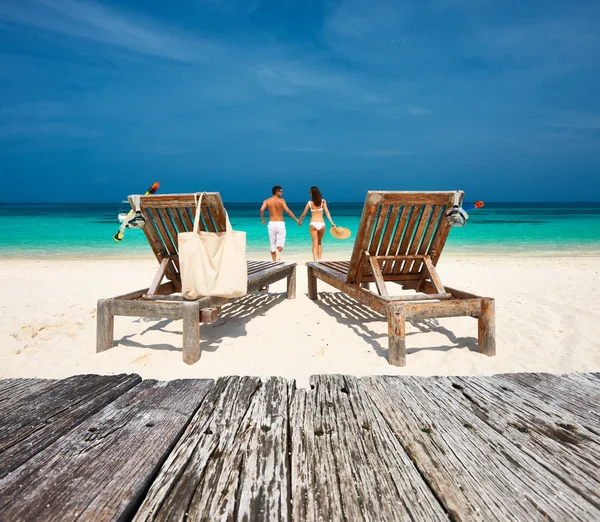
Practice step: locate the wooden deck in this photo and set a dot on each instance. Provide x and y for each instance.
(510, 447)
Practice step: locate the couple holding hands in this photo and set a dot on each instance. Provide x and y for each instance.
(318, 208)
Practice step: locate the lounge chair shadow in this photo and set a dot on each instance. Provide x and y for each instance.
(353, 314)
(432, 325)
(231, 323)
(234, 317)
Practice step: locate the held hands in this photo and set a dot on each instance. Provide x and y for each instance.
(299, 221)
(263, 222)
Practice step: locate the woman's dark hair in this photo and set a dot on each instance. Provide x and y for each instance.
(315, 195)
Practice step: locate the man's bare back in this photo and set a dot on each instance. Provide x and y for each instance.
(275, 205)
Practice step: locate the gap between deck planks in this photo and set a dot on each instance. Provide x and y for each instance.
(372, 448)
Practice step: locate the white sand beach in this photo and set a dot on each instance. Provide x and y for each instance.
(547, 320)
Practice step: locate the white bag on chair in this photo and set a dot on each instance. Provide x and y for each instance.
(212, 263)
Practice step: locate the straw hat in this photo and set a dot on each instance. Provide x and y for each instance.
(340, 232)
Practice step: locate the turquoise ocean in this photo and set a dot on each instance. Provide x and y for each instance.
(86, 230)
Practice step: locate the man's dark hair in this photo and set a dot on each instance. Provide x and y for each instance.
(275, 189)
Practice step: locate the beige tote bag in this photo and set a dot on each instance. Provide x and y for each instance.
(212, 263)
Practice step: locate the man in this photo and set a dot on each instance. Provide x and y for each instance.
(276, 205)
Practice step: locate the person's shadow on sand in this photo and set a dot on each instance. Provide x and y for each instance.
(230, 324)
(356, 316)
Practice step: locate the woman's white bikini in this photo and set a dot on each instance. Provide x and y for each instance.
(317, 224)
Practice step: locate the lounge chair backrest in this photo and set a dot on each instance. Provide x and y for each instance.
(401, 224)
(168, 214)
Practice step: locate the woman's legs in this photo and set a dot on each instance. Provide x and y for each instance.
(320, 234)
(314, 235)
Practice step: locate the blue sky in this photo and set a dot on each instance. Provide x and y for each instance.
(498, 98)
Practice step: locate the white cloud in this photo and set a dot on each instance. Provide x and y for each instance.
(383, 153)
(91, 21)
(418, 111)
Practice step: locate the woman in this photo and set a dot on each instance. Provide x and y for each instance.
(317, 205)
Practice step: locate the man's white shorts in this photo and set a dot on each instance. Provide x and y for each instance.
(276, 234)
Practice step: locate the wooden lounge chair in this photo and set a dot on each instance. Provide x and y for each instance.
(166, 215)
(400, 238)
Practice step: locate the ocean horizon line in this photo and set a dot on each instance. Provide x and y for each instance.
(258, 201)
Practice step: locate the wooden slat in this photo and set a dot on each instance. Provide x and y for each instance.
(552, 437)
(385, 241)
(363, 236)
(392, 197)
(379, 282)
(406, 240)
(38, 419)
(338, 280)
(217, 211)
(153, 236)
(398, 235)
(14, 390)
(100, 469)
(418, 237)
(380, 223)
(158, 277)
(475, 472)
(208, 224)
(176, 218)
(431, 228)
(266, 277)
(433, 275)
(560, 392)
(178, 200)
(164, 217)
(441, 234)
(187, 216)
(347, 463)
(232, 459)
(170, 244)
(457, 308)
(340, 266)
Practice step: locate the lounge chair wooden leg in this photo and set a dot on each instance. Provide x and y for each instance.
(396, 335)
(291, 285)
(312, 284)
(191, 332)
(487, 327)
(105, 326)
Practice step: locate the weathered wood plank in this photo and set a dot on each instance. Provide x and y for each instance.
(13, 390)
(232, 460)
(549, 435)
(43, 416)
(559, 391)
(393, 197)
(474, 471)
(100, 469)
(379, 282)
(346, 462)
